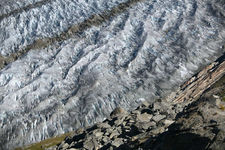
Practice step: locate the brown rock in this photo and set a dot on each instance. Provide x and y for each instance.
(118, 112)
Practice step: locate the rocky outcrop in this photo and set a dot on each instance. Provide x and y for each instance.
(163, 125)
(194, 87)
(200, 126)
(124, 130)
(154, 126)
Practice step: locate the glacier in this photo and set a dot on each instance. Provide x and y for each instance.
(86, 57)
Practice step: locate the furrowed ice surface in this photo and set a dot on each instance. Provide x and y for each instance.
(143, 52)
(45, 18)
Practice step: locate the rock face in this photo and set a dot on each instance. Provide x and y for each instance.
(159, 126)
(123, 130)
(194, 87)
(67, 64)
(199, 127)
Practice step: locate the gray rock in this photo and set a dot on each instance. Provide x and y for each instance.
(131, 121)
(106, 139)
(200, 126)
(108, 131)
(64, 146)
(114, 133)
(98, 134)
(156, 106)
(119, 120)
(168, 122)
(145, 104)
(117, 142)
(157, 130)
(135, 112)
(103, 125)
(147, 125)
(144, 117)
(91, 145)
(157, 118)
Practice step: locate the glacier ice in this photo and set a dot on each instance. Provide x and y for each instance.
(142, 52)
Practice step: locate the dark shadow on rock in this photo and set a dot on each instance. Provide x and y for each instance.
(171, 141)
(77, 138)
(110, 122)
(105, 147)
(148, 111)
(190, 108)
(92, 128)
(78, 145)
(180, 141)
(133, 131)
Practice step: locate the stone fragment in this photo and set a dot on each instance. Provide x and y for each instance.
(145, 104)
(119, 120)
(156, 106)
(144, 117)
(114, 133)
(131, 121)
(157, 130)
(79, 131)
(108, 131)
(119, 129)
(135, 112)
(168, 122)
(98, 134)
(117, 142)
(105, 139)
(128, 117)
(118, 112)
(91, 144)
(157, 118)
(124, 123)
(104, 125)
(147, 125)
(64, 146)
(140, 138)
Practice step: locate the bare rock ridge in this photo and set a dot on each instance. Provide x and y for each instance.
(123, 130)
(200, 126)
(195, 124)
(194, 87)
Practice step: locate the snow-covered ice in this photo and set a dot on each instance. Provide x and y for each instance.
(143, 52)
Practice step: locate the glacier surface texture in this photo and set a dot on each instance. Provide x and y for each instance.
(79, 59)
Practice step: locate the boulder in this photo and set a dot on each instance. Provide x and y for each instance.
(118, 112)
(157, 118)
